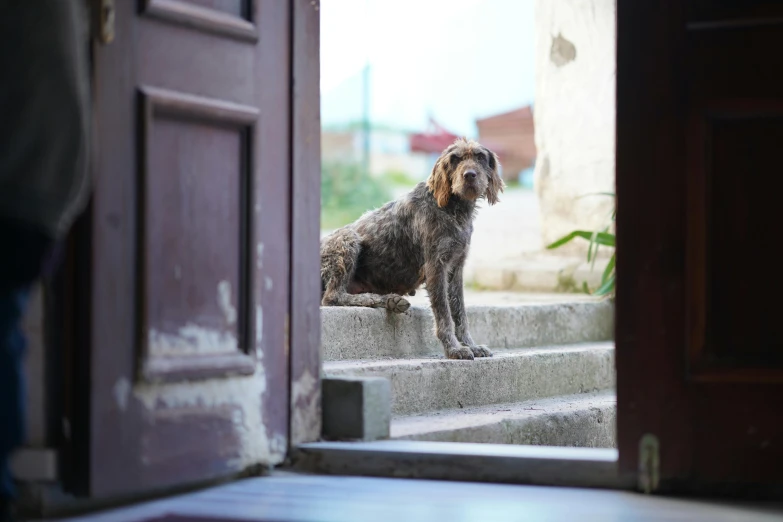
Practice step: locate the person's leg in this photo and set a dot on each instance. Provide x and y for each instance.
(44, 137)
(12, 386)
(22, 261)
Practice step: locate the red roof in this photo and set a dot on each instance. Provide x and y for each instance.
(517, 115)
(433, 141)
(510, 134)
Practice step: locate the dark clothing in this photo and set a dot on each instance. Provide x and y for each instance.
(44, 137)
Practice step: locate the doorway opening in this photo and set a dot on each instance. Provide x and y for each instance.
(536, 85)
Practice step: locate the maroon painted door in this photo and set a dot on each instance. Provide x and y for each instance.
(699, 182)
(189, 233)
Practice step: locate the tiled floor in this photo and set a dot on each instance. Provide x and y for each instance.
(307, 498)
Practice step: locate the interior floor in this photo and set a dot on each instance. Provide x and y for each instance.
(289, 497)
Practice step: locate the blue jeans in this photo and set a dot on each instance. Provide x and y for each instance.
(12, 384)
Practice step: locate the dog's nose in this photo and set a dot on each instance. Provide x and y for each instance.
(470, 175)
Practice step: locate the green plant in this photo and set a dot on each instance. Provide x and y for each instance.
(347, 192)
(398, 178)
(597, 239)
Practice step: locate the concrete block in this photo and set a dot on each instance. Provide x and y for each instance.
(357, 408)
(34, 464)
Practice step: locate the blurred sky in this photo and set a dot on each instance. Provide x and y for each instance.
(454, 59)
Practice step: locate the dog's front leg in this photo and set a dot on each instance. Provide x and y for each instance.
(437, 288)
(458, 313)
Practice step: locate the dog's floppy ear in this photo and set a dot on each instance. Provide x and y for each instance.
(496, 184)
(439, 181)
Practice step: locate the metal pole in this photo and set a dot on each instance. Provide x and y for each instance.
(366, 118)
(366, 96)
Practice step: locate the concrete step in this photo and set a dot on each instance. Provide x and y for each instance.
(363, 333)
(512, 375)
(583, 420)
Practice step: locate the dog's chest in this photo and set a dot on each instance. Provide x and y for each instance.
(459, 245)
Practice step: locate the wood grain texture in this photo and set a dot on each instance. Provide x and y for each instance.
(231, 18)
(651, 221)
(698, 351)
(195, 161)
(217, 112)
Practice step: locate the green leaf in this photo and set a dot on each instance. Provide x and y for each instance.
(607, 287)
(595, 253)
(585, 289)
(563, 240)
(605, 239)
(590, 248)
(609, 270)
(602, 238)
(610, 194)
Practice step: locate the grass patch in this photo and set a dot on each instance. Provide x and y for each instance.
(347, 192)
(398, 178)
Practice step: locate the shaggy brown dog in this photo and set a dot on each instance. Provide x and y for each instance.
(421, 237)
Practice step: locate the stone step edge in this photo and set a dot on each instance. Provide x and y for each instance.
(549, 421)
(417, 363)
(425, 385)
(356, 333)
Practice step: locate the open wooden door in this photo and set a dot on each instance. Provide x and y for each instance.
(188, 247)
(699, 182)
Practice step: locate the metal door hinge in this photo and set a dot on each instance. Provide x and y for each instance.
(649, 463)
(105, 22)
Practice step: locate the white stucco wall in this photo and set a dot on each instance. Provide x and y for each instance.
(574, 114)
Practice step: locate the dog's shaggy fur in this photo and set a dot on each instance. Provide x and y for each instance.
(422, 237)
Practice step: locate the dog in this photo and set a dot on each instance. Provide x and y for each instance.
(421, 238)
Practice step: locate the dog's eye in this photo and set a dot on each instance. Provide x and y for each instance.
(455, 159)
(481, 157)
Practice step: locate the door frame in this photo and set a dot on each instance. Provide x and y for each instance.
(650, 65)
(304, 322)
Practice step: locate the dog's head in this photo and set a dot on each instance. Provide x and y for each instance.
(468, 171)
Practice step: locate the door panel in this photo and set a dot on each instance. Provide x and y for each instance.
(195, 177)
(190, 244)
(232, 18)
(699, 350)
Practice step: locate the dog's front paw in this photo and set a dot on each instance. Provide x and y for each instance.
(481, 351)
(397, 304)
(460, 352)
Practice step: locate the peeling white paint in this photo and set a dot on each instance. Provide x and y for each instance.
(260, 255)
(259, 324)
(243, 393)
(278, 446)
(224, 300)
(122, 390)
(191, 339)
(306, 418)
(268, 283)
